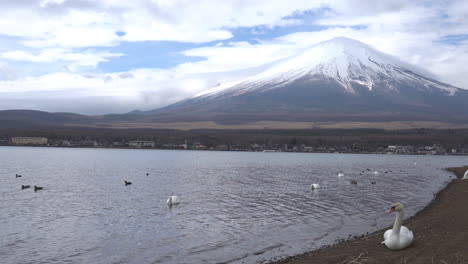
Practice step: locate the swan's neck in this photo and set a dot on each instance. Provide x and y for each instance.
(397, 224)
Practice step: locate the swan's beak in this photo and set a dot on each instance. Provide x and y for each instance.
(391, 210)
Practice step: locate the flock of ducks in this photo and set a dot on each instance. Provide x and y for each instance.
(36, 188)
(172, 200)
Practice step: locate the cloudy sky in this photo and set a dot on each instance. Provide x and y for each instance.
(113, 56)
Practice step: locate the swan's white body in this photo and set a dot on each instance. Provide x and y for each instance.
(314, 186)
(340, 174)
(173, 200)
(466, 175)
(399, 237)
(376, 172)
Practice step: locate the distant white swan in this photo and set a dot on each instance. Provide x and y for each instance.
(466, 175)
(340, 174)
(173, 200)
(314, 186)
(376, 172)
(399, 237)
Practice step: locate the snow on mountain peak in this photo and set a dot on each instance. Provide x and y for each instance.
(344, 60)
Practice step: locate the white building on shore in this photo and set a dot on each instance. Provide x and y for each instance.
(141, 144)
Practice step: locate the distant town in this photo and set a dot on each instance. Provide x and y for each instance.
(435, 149)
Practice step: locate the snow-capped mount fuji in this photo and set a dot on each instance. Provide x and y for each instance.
(345, 60)
(339, 79)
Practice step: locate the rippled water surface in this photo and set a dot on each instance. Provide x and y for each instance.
(236, 206)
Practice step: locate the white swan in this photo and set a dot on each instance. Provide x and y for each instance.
(466, 175)
(376, 172)
(314, 186)
(173, 200)
(399, 237)
(340, 174)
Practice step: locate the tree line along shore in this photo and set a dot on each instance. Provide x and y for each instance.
(409, 141)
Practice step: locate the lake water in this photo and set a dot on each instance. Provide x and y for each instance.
(237, 207)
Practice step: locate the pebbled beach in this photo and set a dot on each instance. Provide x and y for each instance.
(440, 232)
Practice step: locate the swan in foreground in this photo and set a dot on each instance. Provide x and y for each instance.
(466, 175)
(173, 200)
(399, 237)
(314, 186)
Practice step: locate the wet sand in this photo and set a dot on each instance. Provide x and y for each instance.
(440, 235)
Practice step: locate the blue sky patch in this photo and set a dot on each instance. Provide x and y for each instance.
(149, 54)
(454, 39)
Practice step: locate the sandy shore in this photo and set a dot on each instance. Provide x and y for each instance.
(440, 231)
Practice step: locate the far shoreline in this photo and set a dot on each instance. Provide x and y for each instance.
(440, 230)
(241, 150)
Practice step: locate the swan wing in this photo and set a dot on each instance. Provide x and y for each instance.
(386, 235)
(406, 237)
(405, 232)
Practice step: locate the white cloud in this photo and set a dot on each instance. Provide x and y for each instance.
(76, 60)
(66, 24)
(238, 56)
(139, 89)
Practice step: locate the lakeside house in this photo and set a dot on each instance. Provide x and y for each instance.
(119, 144)
(397, 149)
(29, 141)
(141, 144)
